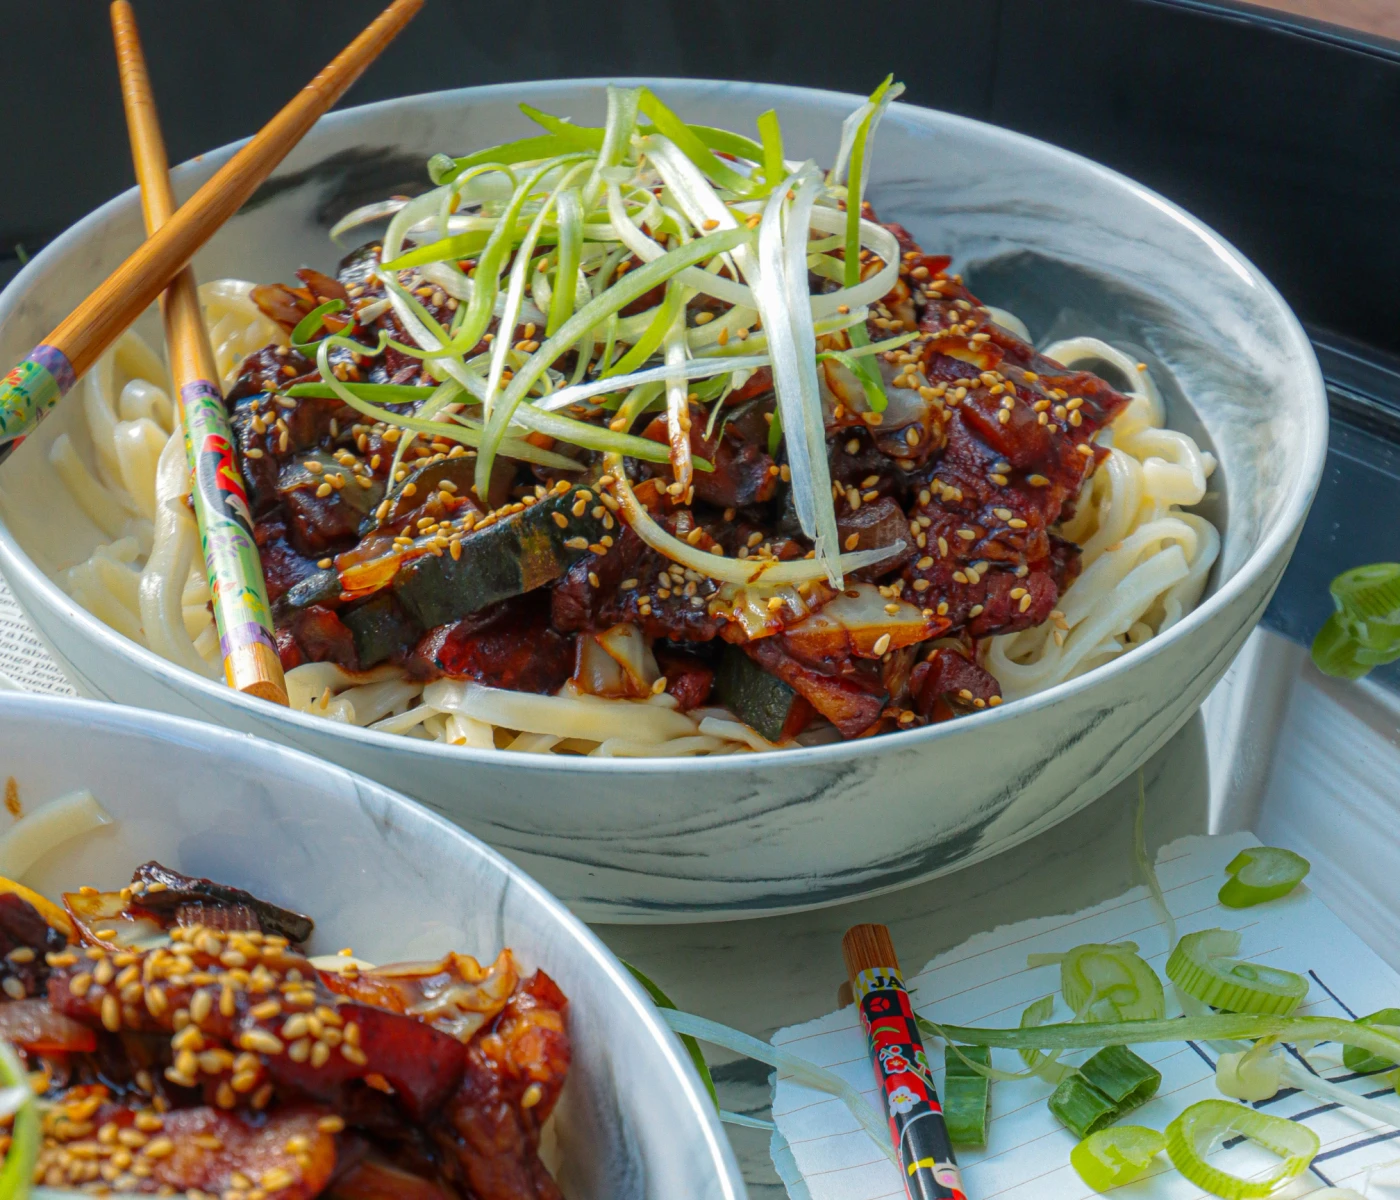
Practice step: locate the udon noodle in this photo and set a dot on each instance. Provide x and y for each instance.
(1145, 559)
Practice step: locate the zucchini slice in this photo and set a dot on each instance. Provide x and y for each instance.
(419, 486)
(509, 557)
(762, 701)
(381, 630)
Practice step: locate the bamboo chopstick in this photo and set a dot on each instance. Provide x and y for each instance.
(35, 385)
(902, 1072)
(241, 611)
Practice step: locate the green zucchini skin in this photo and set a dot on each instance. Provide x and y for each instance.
(321, 588)
(425, 480)
(381, 629)
(508, 558)
(760, 700)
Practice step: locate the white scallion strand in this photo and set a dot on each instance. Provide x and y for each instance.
(806, 1073)
(794, 373)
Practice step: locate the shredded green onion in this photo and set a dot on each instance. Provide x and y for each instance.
(310, 325)
(1090, 1035)
(1203, 966)
(1209, 1122)
(1262, 873)
(690, 144)
(1039, 1063)
(1363, 1061)
(692, 1047)
(774, 166)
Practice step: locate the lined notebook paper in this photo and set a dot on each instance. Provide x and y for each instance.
(821, 1154)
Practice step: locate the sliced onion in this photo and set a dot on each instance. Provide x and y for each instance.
(858, 622)
(596, 671)
(626, 646)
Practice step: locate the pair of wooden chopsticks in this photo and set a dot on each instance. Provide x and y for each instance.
(241, 610)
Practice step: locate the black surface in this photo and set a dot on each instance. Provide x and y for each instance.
(1279, 132)
(1356, 516)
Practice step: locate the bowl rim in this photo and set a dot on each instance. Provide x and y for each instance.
(1286, 520)
(217, 741)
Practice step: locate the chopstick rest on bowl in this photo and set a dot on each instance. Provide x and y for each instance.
(33, 387)
(241, 609)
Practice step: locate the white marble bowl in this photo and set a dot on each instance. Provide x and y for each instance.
(380, 874)
(1073, 247)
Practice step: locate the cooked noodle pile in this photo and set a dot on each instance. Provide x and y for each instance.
(1145, 561)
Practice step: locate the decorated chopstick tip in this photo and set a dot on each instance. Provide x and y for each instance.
(917, 1126)
(31, 388)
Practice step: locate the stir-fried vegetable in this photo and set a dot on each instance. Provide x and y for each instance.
(1262, 873)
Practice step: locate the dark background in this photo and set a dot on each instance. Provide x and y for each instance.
(1283, 134)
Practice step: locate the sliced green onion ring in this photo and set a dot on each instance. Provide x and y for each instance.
(1110, 983)
(1209, 1122)
(1254, 1074)
(1262, 873)
(1203, 965)
(1108, 1086)
(966, 1097)
(1115, 1156)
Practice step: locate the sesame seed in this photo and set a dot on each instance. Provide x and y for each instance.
(260, 1042)
(975, 611)
(882, 643)
(111, 1013)
(967, 535)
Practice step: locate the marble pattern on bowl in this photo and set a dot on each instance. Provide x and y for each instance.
(703, 839)
(380, 874)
